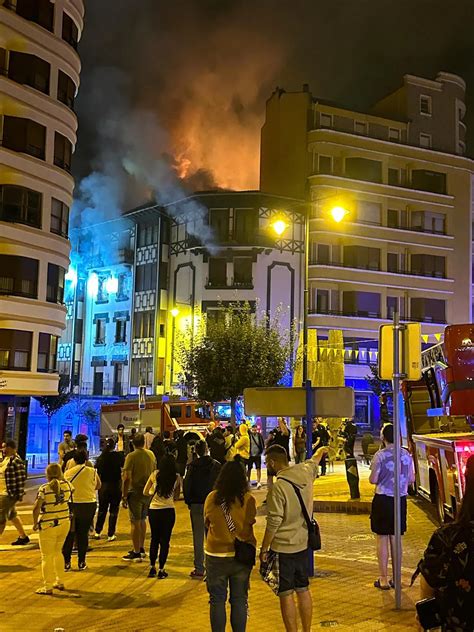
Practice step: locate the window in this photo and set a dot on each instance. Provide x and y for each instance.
(163, 276)
(55, 284)
(144, 324)
(147, 234)
(360, 127)
(364, 169)
(426, 221)
(425, 140)
(243, 272)
(392, 218)
(100, 324)
(3, 61)
(219, 222)
(366, 304)
(428, 265)
(428, 310)
(59, 218)
(122, 288)
(20, 205)
(362, 257)
(47, 353)
(325, 164)
(120, 330)
(142, 372)
(15, 349)
(392, 304)
(18, 276)
(325, 120)
(20, 134)
(369, 212)
(145, 277)
(322, 301)
(245, 225)
(394, 177)
(394, 134)
(425, 105)
(425, 180)
(29, 70)
(66, 89)
(217, 272)
(175, 412)
(392, 262)
(324, 254)
(62, 151)
(70, 32)
(215, 316)
(39, 11)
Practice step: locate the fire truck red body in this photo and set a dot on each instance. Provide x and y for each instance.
(440, 417)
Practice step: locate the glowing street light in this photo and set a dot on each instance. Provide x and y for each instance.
(279, 226)
(174, 312)
(338, 213)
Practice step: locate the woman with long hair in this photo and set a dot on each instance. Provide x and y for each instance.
(231, 495)
(51, 518)
(300, 444)
(161, 513)
(447, 567)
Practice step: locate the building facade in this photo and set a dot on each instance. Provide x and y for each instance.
(401, 172)
(38, 84)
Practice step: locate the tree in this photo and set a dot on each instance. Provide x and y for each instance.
(51, 404)
(376, 384)
(235, 352)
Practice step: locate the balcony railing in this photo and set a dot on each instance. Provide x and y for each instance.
(232, 285)
(353, 314)
(375, 268)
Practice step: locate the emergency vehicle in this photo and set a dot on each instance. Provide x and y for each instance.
(440, 418)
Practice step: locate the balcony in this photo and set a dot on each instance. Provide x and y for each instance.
(314, 311)
(107, 389)
(220, 284)
(375, 268)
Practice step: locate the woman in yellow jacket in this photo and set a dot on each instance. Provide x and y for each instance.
(242, 445)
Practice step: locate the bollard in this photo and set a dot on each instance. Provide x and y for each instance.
(352, 475)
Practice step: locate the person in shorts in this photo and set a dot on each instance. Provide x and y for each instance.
(257, 445)
(286, 534)
(382, 514)
(139, 465)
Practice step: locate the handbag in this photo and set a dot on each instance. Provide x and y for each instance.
(314, 533)
(270, 571)
(245, 552)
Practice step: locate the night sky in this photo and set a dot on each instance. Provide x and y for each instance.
(184, 83)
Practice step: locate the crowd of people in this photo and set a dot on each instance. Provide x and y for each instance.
(146, 474)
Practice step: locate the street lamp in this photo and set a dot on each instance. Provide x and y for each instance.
(338, 213)
(174, 312)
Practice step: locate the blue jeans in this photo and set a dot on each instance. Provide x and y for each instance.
(197, 524)
(220, 573)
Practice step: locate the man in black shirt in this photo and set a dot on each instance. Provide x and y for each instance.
(109, 467)
(321, 438)
(349, 433)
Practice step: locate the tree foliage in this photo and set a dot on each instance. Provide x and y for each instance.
(376, 384)
(237, 351)
(51, 404)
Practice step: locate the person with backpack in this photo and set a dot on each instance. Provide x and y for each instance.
(286, 534)
(198, 483)
(229, 513)
(447, 566)
(216, 443)
(257, 447)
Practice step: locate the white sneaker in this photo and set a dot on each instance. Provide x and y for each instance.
(259, 485)
(96, 536)
(111, 538)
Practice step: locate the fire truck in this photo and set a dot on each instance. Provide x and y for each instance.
(440, 419)
(160, 414)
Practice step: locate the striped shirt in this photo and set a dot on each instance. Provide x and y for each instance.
(53, 509)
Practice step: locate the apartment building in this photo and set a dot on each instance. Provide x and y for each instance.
(38, 82)
(401, 172)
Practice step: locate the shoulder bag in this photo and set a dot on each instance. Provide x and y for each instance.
(245, 552)
(314, 533)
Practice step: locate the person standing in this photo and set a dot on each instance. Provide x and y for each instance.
(242, 445)
(86, 482)
(137, 469)
(66, 445)
(349, 433)
(12, 490)
(149, 436)
(300, 445)
(256, 450)
(232, 496)
(121, 442)
(131, 445)
(69, 459)
(198, 483)
(158, 447)
(286, 534)
(322, 437)
(382, 519)
(109, 468)
(216, 443)
(161, 487)
(282, 436)
(51, 517)
(229, 437)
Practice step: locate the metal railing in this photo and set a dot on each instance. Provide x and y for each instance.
(373, 268)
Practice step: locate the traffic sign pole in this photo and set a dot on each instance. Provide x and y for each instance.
(397, 548)
(309, 447)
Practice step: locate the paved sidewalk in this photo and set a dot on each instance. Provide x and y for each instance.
(116, 596)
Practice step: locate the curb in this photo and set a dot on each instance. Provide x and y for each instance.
(342, 506)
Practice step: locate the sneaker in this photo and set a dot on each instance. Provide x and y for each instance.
(111, 538)
(96, 536)
(59, 586)
(82, 566)
(132, 557)
(259, 485)
(142, 554)
(44, 591)
(196, 574)
(21, 542)
(162, 574)
(152, 572)
(67, 567)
